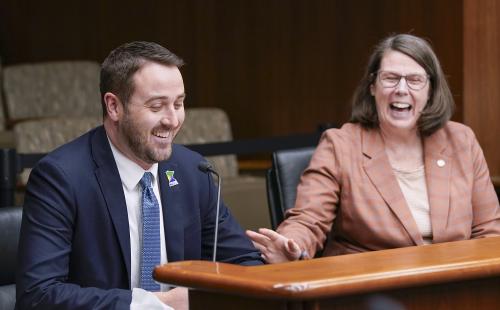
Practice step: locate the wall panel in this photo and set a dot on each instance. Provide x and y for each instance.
(482, 76)
(276, 66)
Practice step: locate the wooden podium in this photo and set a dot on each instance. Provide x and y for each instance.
(454, 275)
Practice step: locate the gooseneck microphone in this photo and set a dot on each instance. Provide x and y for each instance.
(206, 167)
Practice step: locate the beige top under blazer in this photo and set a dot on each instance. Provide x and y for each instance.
(349, 193)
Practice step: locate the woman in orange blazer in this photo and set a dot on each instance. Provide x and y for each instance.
(399, 174)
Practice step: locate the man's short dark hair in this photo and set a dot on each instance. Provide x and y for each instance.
(440, 105)
(119, 67)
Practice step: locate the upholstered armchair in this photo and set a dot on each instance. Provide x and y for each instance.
(208, 125)
(244, 194)
(282, 181)
(45, 135)
(52, 89)
(50, 103)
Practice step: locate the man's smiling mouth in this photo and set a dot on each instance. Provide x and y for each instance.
(162, 135)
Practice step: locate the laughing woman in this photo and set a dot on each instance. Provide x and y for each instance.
(399, 174)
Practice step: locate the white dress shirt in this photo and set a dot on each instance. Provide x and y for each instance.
(130, 175)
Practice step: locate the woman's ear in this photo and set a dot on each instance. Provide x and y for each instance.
(113, 105)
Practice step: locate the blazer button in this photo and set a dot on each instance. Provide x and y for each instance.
(441, 163)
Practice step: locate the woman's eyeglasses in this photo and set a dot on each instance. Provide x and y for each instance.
(391, 79)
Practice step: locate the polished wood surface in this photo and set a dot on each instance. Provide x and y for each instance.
(482, 76)
(462, 295)
(344, 275)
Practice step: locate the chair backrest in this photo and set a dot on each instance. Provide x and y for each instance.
(52, 89)
(10, 225)
(45, 135)
(282, 180)
(208, 125)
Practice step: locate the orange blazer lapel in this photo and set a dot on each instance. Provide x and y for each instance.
(377, 167)
(438, 166)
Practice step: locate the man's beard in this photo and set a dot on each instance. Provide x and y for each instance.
(137, 141)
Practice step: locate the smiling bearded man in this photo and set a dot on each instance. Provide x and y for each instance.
(102, 211)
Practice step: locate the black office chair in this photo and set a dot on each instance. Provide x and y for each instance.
(10, 225)
(282, 180)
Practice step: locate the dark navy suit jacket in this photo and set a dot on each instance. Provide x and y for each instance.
(74, 250)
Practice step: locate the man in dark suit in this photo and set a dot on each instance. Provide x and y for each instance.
(101, 211)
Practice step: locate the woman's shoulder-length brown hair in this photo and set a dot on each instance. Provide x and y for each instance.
(440, 105)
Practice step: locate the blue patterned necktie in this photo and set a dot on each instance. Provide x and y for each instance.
(150, 254)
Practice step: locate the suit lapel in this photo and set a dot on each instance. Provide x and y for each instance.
(172, 211)
(112, 190)
(438, 177)
(377, 167)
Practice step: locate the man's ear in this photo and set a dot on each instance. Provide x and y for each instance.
(114, 106)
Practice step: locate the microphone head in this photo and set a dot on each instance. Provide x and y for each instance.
(205, 166)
